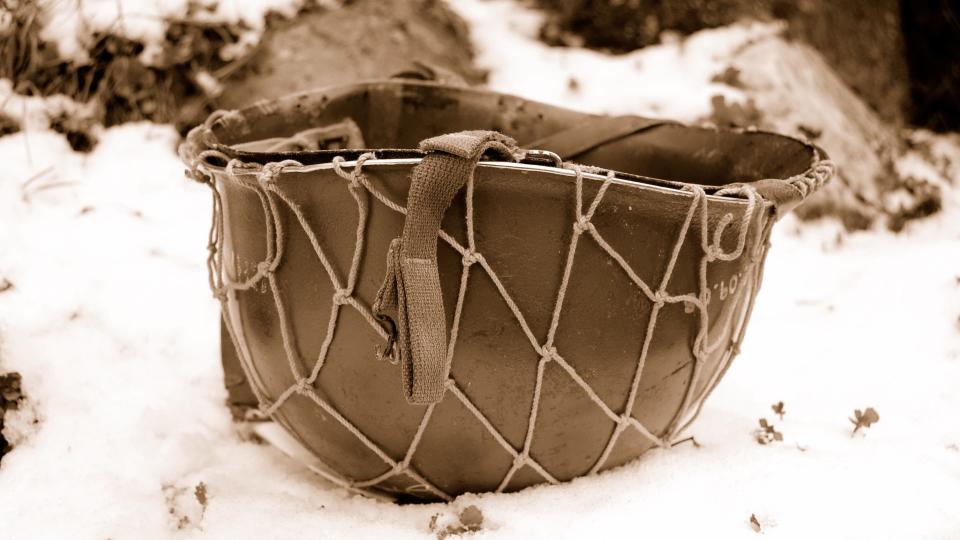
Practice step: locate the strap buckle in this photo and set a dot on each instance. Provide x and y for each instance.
(542, 157)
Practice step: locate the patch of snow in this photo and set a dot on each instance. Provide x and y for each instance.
(72, 24)
(36, 112)
(671, 80)
(934, 158)
(6, 19)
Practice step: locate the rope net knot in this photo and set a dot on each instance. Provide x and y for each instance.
(660, 298)
(341, 297)
(581, 225)
(548, 353)
(470, 258)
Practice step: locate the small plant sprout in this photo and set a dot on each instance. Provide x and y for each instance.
(778, 409)
(864, 419)
(767, 433)
(200, 492)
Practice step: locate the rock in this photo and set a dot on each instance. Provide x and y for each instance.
(862, 41)
(362, 40)
(798, 93)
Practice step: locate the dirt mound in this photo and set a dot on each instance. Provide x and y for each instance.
(365, 39)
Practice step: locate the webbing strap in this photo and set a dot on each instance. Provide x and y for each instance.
(411, 298)
(595, 132)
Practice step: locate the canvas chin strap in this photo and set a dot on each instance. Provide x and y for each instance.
(410, 299)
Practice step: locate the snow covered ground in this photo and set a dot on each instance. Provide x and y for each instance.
(124, 433)
(72, 24)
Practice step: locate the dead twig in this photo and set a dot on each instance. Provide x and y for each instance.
(689, 439)
(863, 419)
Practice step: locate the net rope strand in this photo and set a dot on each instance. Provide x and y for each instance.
(264, 181)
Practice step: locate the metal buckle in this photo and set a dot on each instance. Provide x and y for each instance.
(542, 157)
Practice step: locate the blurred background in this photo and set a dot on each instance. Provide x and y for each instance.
(176, 61)
(901, 57)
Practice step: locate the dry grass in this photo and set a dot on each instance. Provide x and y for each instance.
(171, 90)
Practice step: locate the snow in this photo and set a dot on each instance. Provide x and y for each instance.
(72, 24)
(671, 80)
(35, 112)
(114, 331)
